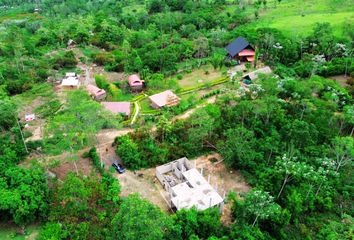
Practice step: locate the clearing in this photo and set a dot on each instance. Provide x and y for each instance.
(202, 75)
(149, 187)
(297, 17)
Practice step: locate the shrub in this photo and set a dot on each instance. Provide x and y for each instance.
(101, 82)
(102, 58)
(67, 60)
(179, 76)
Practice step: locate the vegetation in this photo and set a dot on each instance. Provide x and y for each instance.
(290, 133)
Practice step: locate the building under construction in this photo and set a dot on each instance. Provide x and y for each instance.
(186, 186)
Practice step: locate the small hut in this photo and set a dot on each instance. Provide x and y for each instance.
(135, 83)
(95, 92)
(164, 99)
(240, 50)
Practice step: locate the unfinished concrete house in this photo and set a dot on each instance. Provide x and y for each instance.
(186, 186)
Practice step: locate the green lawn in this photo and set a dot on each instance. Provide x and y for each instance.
(199, 76)
(297, 17)
(145, 105)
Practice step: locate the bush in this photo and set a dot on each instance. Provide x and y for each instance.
(102, 58)
(67, 60)
(92, 154)
(101, 82)
(179, 76)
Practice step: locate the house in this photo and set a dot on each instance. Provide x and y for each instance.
(95, 92)
(118, 107)
(135, 83)
(70, 74)
(186, 187)
(166, 98)
(240, 50)
(70, 83)
(249, 77)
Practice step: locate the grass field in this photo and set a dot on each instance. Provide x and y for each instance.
(199, 76)
(297, 17)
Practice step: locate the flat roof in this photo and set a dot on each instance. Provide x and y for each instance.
(70, 81)
(195, 191)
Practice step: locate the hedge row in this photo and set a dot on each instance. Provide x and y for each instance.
(139, 97)
(203, 86)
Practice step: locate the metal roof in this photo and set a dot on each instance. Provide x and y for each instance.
(237, 46)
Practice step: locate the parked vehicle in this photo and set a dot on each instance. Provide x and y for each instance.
(117, 166)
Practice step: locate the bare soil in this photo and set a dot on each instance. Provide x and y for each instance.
(84, 165)
(220, 178)
(341, 80)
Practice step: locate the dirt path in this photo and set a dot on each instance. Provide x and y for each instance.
(108, 135)
(137, 109)
(188, 113)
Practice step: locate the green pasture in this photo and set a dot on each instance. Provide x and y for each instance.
(298, 17)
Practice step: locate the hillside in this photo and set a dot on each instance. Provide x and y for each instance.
(297, 17)
(176, 119)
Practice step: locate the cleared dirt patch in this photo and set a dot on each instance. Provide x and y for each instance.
(146, 185)
(84, 165)
(220, 178)
(341, 80)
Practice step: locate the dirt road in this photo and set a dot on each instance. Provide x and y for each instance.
(188, 113)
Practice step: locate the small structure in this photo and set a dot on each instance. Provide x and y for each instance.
(240, 50)
(187, 187)
(118, 107)
(135, 83)
(254, 75)
(166, 98)
(30, 117)
(71, 43)
(95, 92)
(70, 74)
(70, 81)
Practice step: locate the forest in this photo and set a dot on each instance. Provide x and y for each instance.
(289, 134)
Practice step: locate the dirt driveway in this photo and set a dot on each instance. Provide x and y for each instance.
(149, 187)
